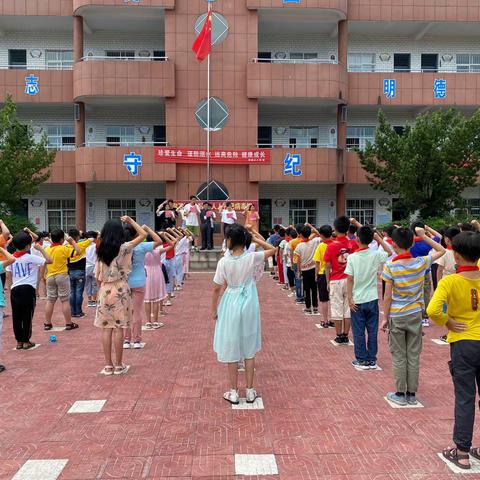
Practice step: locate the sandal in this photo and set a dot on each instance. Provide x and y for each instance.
(475, 453)
(47, 326)
(453, 456)
(148, 325)
(120, 369)
(108, 370)
(71, 326)
(28, 346)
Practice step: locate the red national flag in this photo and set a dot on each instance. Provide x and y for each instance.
(202, 45)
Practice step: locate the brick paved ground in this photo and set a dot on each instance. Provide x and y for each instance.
(166, 417)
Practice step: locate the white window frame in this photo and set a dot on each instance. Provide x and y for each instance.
(303, 57)
(59, 63)
(362, 209)
(358, 136)
(120, 54)
(472, 65)
(361, 62)
(125, 133)
(56, 135)
(118, 207)
(301, 207)
(66, 210)
(304, 136)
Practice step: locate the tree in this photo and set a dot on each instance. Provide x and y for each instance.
(24, 163)
(429, 165)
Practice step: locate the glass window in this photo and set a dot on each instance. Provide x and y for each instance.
(218, 114)
(303, 211)
(61, 215)
(216, 191)
(303, 57)
(357, 137)
(61, 137)
(361, 62)
(468, 62)
(473, 206)
(59, 59)
(118, 208)
(361, 209)
(303, 137)
(120, 135)
(123, 54)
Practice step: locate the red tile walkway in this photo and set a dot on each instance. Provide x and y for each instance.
(166, 417)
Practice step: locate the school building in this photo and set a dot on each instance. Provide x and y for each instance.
(296, 86)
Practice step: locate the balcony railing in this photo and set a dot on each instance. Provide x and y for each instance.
(103, 58)
(302, 61)
(391, 69)
(62, 66)
(296, 145)
(123, 143)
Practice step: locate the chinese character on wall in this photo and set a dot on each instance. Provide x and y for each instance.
(291, 165)
(390, 87)
(132, 162)
(440, 89)
(31, 85)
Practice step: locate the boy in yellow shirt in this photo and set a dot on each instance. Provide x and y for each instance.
(58, 281)
(325, 233)
(456, 305)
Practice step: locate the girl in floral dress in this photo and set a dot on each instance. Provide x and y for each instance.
(114, 310)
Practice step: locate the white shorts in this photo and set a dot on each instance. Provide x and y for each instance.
(339, 306)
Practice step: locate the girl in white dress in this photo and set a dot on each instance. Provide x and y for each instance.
(237, 329)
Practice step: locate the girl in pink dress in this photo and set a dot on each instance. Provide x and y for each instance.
(155, 288)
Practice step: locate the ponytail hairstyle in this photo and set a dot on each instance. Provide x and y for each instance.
(238, 236)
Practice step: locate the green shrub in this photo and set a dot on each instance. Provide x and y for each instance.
(15, 223)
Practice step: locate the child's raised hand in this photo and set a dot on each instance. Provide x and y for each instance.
(126, 219)
(38, 247)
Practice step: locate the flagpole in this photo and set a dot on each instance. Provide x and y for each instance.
(208, 127)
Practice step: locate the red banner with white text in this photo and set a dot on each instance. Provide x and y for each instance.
(255, 156)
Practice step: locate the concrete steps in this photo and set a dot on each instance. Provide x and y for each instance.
(205, 260)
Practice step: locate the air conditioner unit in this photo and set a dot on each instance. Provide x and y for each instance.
(280, 55)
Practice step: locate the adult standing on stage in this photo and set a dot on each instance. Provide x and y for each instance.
(191, 212)
(167, 215)
(252, 217)
(207, 225)
(229, 216)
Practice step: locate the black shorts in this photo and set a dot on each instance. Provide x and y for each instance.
(323, 295)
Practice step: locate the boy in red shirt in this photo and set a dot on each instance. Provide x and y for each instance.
(335, 259)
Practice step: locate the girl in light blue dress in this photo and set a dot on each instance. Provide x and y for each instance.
(237, 329)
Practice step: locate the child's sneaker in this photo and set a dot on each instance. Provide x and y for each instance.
(241, 366)
(425, 322)
(412, 399)
(251, 395)
(307, 311)
(331, 324)
(443, 338)
(137, 345)
(338, 339)
(398, 398)
(372, 365)
(168, 303)
(361, 365)
(126, 344)
(232, 397)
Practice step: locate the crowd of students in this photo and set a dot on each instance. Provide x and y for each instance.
(131, 274)
(339, 270)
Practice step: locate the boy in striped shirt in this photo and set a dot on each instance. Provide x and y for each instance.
(404, 277)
